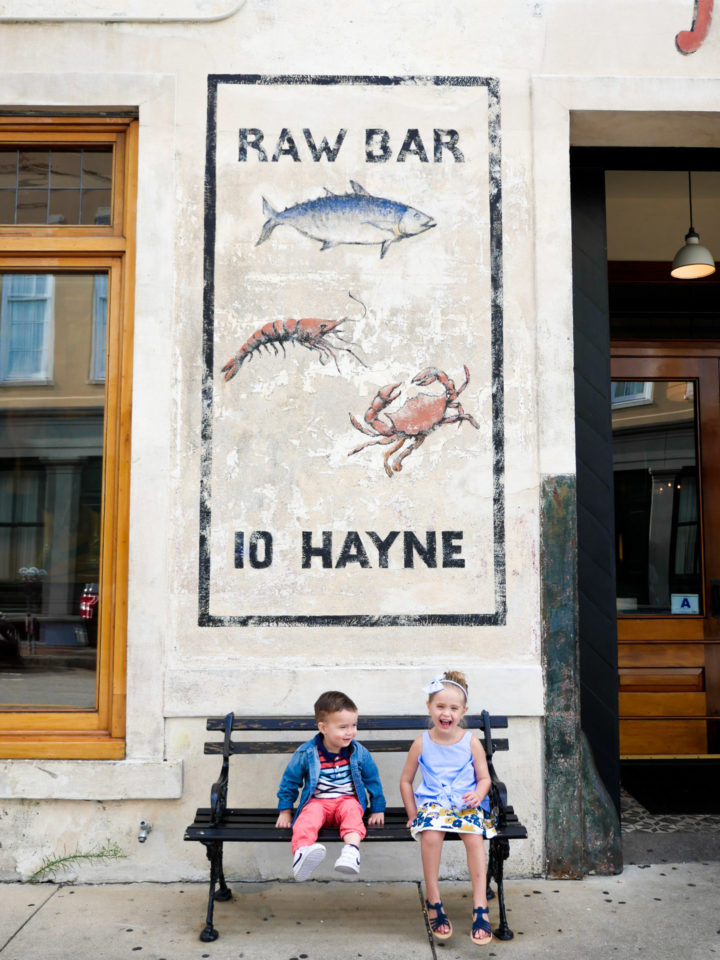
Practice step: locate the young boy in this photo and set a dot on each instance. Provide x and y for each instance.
(334, 772)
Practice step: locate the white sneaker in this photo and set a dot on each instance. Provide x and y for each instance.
(306, 859)
(349, 860)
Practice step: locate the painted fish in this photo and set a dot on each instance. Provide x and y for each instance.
(356, 218)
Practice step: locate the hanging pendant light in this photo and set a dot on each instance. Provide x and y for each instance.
(692, 260)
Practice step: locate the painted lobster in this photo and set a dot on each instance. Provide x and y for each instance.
(415, 420)
(308, 332)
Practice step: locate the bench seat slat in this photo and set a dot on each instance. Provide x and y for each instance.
(267, 831)
(274, 724)
(259, 825)
(269, 834)
(261, 814)
(290, 746)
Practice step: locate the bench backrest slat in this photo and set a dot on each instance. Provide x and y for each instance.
(269, 747)
(274, 724)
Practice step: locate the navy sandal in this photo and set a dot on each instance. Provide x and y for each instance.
(480, 925)
(439, 920)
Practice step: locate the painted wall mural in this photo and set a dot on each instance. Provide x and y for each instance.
(295, 529)
(319, 335)
(354, 218)
(415, 419)
(690, 41)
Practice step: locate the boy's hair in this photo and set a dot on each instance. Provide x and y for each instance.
(330, 702)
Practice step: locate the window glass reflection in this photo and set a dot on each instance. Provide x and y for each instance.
(33, 168)
(56, 187)
(657, 539)
(65, 167)
(52, 348)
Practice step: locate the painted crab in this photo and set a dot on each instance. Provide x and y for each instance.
(415, 419)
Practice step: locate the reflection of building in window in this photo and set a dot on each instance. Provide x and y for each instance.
(50, 507)
(686, 548)
(56, 186)
(628, 393)
(27, 328)
(656, 495)
(99, 329)
(22, 501)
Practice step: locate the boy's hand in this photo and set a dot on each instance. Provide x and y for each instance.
(376, 820)
(284, 819)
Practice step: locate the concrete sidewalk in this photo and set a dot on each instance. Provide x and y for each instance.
(658, 911)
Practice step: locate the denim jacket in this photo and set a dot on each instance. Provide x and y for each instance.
(303, 771)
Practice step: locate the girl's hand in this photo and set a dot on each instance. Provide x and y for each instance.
(376, 820)
(472, 798)
(284, 819)
(410, 823)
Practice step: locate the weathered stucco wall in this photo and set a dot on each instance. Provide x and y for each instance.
(280, 428)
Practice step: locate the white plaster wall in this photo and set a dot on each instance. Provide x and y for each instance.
(557, 62)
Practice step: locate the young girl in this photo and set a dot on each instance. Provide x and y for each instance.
(452, 797)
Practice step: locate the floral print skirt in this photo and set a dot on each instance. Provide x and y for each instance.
(431, 816)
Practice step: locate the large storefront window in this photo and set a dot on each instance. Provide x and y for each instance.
(65, 334)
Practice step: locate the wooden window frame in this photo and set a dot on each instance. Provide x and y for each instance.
(71, 733)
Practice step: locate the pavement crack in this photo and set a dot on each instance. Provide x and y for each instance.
(27, 921)
(431, 939)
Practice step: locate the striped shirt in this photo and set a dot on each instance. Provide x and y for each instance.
(335, 778)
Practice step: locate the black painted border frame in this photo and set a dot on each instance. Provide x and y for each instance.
(498, 616)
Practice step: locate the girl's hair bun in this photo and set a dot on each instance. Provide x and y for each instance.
(456, 677)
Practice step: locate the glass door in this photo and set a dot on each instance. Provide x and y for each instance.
(666, 461)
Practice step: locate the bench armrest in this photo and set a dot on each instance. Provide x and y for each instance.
(498, 797)
(218, 791)
(218, 799)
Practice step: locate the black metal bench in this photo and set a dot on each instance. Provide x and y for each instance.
(219, 824)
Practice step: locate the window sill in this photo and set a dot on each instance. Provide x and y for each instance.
(90, 780)
(27, 382)
(60, 746)
(138, 11)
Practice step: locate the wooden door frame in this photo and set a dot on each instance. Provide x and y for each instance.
(706, 353)
(699, 635)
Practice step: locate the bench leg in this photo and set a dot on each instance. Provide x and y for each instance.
(214, 851)
(499, 852)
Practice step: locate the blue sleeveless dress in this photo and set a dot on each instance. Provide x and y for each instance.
(448, 772)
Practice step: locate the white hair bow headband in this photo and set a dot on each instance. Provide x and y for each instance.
(436, 684)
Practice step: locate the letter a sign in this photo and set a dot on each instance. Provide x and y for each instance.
(685, 603)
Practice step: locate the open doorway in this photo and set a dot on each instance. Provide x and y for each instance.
(647, 351)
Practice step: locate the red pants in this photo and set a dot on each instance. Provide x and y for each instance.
(343, 812)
